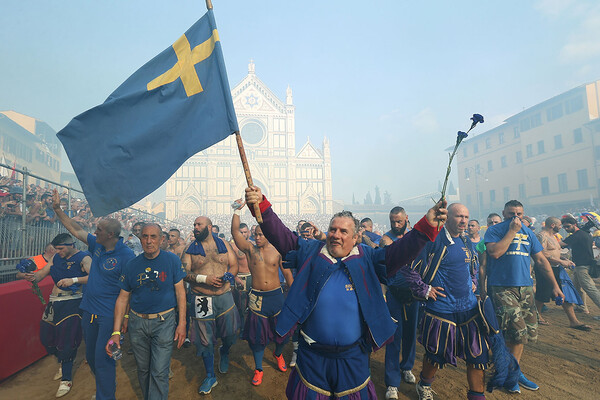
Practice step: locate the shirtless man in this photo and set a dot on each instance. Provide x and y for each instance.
(243, 280)
(211, 264)
(266, 297)
(175, 245)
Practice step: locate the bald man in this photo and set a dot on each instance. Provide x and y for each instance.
(208, 260)
(443, 276)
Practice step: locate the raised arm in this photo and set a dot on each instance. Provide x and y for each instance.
(73, 227)
(275, 231)
(240, 241)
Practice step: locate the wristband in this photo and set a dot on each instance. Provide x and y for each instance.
(238, 213)
(126, 316)
(116, 333)
(201, 278)
(75, 280)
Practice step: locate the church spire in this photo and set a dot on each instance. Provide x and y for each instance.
(288, 100)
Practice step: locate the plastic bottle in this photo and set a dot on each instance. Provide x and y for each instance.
(115, 350)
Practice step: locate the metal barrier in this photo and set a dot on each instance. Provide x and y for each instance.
(20, 238)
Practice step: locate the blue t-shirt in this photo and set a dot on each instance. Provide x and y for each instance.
(102, 289)
(68, 268)
(335, 320)
(151, 282)
(454, 275)
(513, 267)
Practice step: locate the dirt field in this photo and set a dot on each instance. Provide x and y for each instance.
(565, 363)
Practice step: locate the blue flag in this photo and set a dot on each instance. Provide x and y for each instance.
(176, 105)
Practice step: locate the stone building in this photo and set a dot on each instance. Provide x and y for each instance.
(547, 156)
(296, 182)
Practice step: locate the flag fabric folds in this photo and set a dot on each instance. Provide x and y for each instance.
(176, 105)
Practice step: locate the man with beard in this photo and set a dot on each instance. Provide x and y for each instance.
(398, 224)
(543, 291)
(336, 299)
(404, 309)
(211, 265)
(266, 297)
(510, 247)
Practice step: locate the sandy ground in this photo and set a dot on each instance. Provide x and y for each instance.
(565, 363)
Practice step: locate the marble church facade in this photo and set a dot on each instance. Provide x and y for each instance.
(296, 182)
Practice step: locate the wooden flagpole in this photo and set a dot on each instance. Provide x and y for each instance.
(242, 152)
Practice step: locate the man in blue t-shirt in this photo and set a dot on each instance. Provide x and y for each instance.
(510, 247)
(109, 255)
(152, 284)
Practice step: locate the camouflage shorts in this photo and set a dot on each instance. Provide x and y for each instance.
(516, 312)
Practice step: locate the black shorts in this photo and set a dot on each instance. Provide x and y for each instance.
(543, 287)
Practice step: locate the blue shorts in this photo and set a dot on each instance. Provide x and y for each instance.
(213, 317)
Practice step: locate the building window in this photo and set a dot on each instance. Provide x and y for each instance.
(522, 194)
(554, 112)
(488, 143)
(540, 146)
(469, 200)
(490, 166)
(529, 150)
(503, 162)
(558, 142)
(492, 196)
(505, 194)
(519, 157)
(479, 198)
(597, 152)
(467, 174)
(582, 178)
(577, 136)
(545, 185)
(501, 138)
(477, 169)
(475, 148)
(516, 132)
(562, 183)
(574, 104)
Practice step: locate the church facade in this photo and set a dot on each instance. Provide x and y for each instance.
(295, 182)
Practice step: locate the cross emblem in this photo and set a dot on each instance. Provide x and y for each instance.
(162, 276)
(184, 68)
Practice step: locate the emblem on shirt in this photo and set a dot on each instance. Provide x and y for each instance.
(519, 239)
(109, 264)
(162, 276)
(349, 287)
(70, 264)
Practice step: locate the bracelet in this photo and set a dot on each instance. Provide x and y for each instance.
(126, 316)
(238, 213)
(116, 333)
(201, 278)
(75, 279)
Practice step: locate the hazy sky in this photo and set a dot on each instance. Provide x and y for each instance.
(389, 82)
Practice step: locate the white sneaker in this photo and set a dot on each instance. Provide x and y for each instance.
(392, 393)
(408, 377)
(424, 392)
(64, 388)
(59, 373)
(293, 360)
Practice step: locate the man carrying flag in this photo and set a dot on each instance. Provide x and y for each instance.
(176, 105)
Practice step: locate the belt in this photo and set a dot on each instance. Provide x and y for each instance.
(153, 316)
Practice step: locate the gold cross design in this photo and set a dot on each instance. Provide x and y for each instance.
(184, 68)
